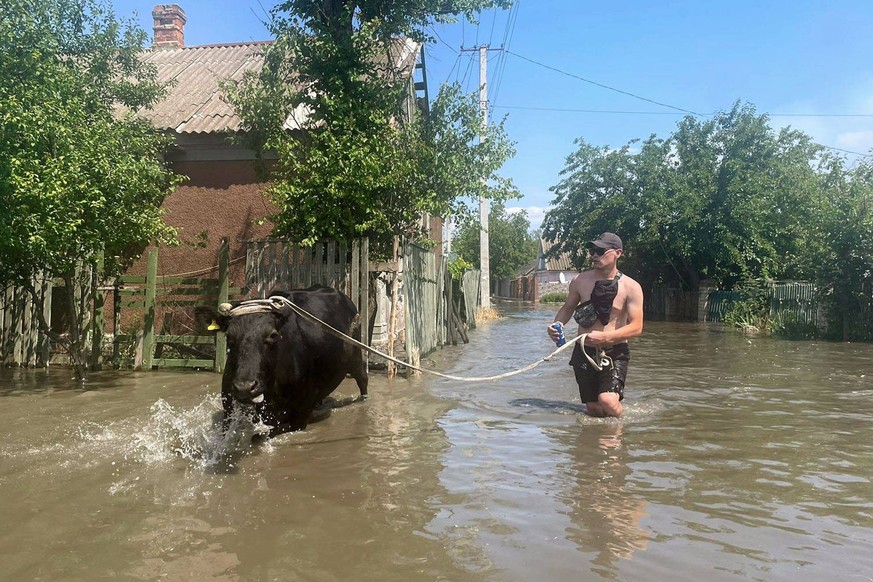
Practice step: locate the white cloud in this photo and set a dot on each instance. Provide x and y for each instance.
(535, 214)
(849, 133)
(858, 141)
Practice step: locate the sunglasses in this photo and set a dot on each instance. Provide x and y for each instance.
(598, 252)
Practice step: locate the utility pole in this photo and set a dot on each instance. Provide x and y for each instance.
(484, 255)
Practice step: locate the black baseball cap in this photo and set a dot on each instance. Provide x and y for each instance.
(606, 241)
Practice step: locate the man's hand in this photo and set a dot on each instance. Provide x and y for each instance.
(596, 337)
(553, 333)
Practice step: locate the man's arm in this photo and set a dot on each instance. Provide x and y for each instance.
(573, 299)
(566, 311)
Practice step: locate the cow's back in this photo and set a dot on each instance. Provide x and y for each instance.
(313, 362)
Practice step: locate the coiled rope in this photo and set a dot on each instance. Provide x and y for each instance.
(275, 302)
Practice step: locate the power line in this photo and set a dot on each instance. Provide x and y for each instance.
(609, 111)
(688, 111)
(601, 85)
(844, 151)
(626, 112)
(506, 42)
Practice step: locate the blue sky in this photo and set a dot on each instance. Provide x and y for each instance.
(808, 63)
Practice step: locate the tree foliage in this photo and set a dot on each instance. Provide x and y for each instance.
(358, 166)
(728, 199)
(510, 242)
(845, 261)
(77, 176)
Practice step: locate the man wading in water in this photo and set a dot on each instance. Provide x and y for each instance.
(608, 306)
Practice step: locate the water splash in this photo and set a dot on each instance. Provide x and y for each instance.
(199, 435)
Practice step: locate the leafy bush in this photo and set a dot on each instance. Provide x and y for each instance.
(752, 311)
(790, 326)
(458, 266)
(553, 298)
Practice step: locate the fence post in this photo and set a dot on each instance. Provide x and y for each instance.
(44, 341)
(365, 297)
(28, 341)
(220, 338)
(704, 289)
(148, 342)
(98, 321)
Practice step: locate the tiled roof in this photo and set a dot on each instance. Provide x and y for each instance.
(561, 262)
(194, 103)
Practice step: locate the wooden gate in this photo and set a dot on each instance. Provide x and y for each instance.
(282, 264)
(158, 308)
(798, 299)
(424, 301)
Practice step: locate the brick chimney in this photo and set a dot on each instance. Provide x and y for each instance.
(169, 26)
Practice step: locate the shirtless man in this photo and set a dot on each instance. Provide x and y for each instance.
(608, 306)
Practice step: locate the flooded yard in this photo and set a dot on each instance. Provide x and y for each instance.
(739, 458)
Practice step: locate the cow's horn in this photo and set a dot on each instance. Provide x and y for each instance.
(225, 308)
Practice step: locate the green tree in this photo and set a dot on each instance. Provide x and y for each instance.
(80, 176)
(511, 245)
(353, 165)
(725, 198)
(844, 266)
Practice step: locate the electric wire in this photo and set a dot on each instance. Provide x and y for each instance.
(601, 85)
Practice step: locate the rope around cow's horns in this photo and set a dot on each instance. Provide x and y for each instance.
(275, 302)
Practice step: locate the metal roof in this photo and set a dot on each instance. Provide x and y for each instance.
(561, 262)
(195, 104)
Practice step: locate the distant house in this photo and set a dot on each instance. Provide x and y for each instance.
(543, 276)
(552, 274)
(223, 196)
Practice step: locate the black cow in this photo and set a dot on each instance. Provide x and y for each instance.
(285, 364)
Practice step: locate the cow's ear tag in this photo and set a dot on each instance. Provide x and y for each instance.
(213, 326)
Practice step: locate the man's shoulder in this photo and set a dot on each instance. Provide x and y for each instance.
(583, 276)
(631, 283)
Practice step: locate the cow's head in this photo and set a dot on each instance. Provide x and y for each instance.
(253, 336)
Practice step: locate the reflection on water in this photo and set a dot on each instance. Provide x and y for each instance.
(605, 512)
(738, 458)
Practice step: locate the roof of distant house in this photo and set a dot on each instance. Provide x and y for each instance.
(561, 262)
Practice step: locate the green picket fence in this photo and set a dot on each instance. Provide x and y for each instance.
(165, 298)
(795, 298)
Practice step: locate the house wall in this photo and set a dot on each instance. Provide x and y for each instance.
(221, 199)
(550, 282)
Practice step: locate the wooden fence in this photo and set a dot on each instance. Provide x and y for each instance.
(432, 311)
(156, 323)
(281, 264)
(425, 302)
(169, 305)
(470, 282)
(670, 304)
(797, 299)
(22, 343)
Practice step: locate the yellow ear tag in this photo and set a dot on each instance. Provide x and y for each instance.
(213, 326)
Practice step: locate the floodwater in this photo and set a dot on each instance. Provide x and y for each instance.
(739, 458)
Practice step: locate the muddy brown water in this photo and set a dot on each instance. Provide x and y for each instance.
(739, 458)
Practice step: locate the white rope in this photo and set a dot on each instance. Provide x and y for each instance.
(278, 300)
